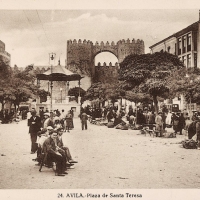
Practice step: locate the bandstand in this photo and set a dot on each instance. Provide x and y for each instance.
(56, 81)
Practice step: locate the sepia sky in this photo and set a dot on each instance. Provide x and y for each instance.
(31, 34)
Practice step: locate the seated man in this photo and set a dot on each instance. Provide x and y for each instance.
(49, 148)
(42, 136)
(63, 149)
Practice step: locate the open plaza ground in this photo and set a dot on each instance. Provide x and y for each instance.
(107, 159)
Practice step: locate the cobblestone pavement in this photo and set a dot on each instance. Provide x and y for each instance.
(107, 159)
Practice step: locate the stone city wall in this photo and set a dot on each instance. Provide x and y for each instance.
(81, 55)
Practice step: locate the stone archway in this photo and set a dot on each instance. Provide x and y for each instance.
(106, 67)
(80, 55)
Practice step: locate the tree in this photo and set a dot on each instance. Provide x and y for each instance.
(95, 91)
(18, 85)
(23, 87)
(150, 74)
(75, 92)
(189, 86)
(43, 95)
(103, 92)
(5, 77)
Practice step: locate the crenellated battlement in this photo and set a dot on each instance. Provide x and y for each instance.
(102, 43)
(128, 41)
(110, 64)
(106, 72)
(74, 42)
(81, 56)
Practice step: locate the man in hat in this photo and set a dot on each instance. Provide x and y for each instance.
(181, 123)
(34, 127)
(194, 116)
(50, 148)
(84, 119)
(68, 121)
(48, 120)
(46, 116)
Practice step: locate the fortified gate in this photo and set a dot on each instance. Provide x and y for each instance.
(81, 55)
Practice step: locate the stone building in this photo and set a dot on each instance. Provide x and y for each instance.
(81, 56)
(80, 59)
(106, 73)
(184, 43)
(3, 53)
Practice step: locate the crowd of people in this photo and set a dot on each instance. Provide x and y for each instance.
(46, 131)
(139, 118)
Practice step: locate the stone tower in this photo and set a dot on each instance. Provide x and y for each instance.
(81, 55)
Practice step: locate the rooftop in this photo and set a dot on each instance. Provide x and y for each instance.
(192, 27)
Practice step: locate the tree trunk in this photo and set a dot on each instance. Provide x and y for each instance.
(120, 104)
(15, 107)
(2, 110)
(155, 101)
(136, 112)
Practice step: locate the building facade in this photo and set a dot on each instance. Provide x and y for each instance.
(185, 44)
(4, 55)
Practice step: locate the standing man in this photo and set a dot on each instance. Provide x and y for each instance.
(34, 127)
(72, 114)
(84, 119)
(28, 116)
(159, 124)
(181, 123)
(68, 121)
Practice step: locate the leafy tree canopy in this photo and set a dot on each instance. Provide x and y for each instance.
(103, 92)
(18, 85)
(152, 74)
(189, 86)
(75, 92)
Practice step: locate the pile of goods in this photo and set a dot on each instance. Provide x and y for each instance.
(189, 144)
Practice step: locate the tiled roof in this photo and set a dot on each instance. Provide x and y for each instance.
(58, 70)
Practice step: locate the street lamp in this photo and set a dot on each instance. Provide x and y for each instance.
(61, 94)
(79, 92)
(51, 59)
